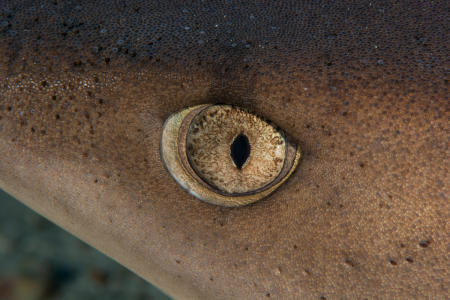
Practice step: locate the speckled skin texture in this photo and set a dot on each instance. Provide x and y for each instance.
(85, 88)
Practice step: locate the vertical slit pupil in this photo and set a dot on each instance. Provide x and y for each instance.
(240, 150)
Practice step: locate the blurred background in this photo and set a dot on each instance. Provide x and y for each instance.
(39, 260)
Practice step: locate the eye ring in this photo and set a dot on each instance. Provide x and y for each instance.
(180, 159)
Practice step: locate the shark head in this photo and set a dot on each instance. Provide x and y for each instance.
(86, 87)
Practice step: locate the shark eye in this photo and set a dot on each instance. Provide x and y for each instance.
(225, 155)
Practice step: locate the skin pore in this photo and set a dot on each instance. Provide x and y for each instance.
(86, 87)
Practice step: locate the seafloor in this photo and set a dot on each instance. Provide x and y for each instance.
(39, 260)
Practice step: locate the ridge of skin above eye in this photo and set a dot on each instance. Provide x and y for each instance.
(85, 88)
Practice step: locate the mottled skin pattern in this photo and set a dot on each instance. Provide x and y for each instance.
(360, 86)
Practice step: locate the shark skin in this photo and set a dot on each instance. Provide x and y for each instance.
(362, 88)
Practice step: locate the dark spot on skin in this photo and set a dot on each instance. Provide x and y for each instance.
(392, 262)
(409, 259)
(178, 261)
(349, 263)
(295, 247)
(362, 165)
(424, 244)
(268, 295)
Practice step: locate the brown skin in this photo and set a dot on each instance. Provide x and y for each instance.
(360, 87)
